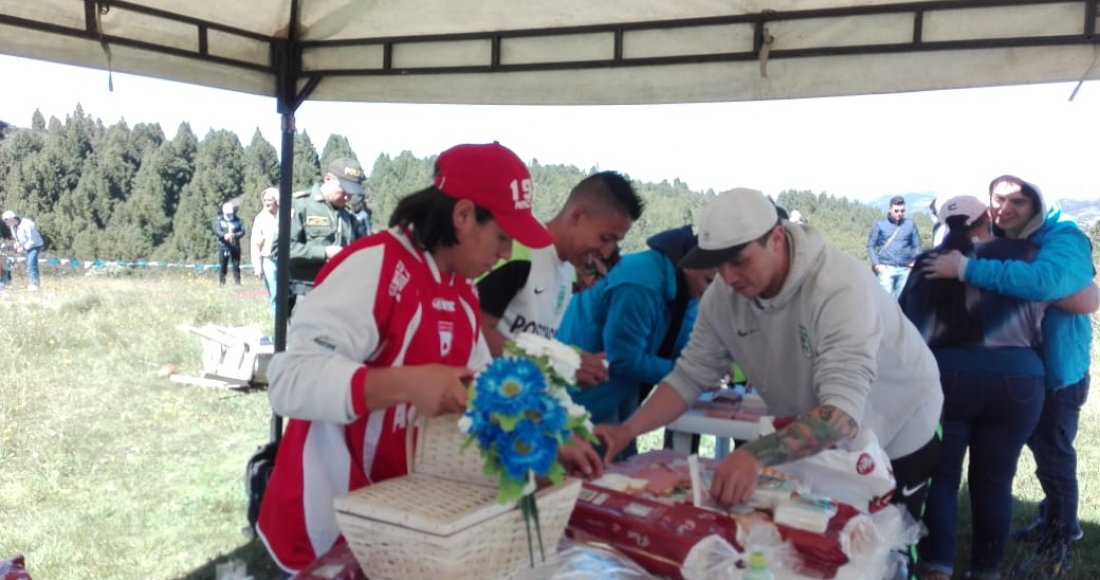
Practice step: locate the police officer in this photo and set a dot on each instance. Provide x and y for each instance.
(320, 224)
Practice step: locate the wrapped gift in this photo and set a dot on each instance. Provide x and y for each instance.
(443, 520)
(658, 536)
(660, 530)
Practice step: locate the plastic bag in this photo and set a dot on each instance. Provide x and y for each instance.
(580, 561)
(876, 544)
(856, 471)
(713, 557)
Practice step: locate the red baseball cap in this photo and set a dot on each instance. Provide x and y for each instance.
(493, 177)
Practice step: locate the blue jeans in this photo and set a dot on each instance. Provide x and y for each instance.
(993, 414)
(269, 268)
(32, 266)
(1055, 459)
(892, 278)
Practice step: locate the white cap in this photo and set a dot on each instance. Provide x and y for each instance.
(967, 205)
(227, 208)
(729, 222)
(9, 215)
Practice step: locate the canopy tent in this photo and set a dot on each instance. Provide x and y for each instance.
(560, 52)
(566, 51)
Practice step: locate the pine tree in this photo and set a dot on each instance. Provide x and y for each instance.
(261, 171)
(307, 169)
(336, 147)
(219, 172)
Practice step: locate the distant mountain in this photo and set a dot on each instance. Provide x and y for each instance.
(1084, 212)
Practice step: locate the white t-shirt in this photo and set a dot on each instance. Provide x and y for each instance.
(528, 293)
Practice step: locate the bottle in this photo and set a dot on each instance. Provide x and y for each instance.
(758, 567)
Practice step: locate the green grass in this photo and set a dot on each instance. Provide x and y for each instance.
(106, 470)
(109, 471)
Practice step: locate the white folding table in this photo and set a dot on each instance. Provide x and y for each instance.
(696, 422)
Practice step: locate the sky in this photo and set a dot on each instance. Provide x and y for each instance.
(861, 147)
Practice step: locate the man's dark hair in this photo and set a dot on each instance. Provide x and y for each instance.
(1028, 190)
(612, 190)
(429, 213)
(897, 200)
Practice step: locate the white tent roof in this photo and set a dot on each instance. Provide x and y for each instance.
(566, 51)
(558, 52)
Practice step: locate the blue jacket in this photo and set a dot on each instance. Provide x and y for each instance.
(1062, 267)
(903, 249)
(627, 316)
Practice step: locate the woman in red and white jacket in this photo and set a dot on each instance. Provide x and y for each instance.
(391, 330)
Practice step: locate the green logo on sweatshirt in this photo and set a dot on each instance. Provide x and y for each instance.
(804, 338)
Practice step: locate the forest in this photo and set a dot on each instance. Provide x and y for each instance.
(134, 193)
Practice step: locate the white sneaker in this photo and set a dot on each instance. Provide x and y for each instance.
(32, 288)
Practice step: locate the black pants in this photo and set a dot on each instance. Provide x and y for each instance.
(913, 476)
(230, 254)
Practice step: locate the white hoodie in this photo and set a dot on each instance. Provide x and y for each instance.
(831, 336)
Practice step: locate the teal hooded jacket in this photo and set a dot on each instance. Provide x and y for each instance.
(627, 315)
(1062, 267)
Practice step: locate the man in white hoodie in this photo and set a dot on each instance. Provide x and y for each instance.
(816, 337)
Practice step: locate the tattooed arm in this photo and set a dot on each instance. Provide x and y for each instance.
(814, 432)
(735, 478)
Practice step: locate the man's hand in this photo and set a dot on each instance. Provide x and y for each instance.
(436, 389)
(615, 437)
(593, 369)
(735, 478)
(580, 459)
(943, 266)
(876, 268)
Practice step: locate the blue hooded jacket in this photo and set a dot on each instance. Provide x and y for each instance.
(1062, 267)
(627, 315)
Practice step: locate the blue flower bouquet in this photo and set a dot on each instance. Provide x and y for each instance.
(520, 413)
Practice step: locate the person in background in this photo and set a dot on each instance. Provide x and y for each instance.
(265, 234)
(891, 246)
(641, 316)
(28, 240)
(229, 229)
(595, 271)
(367, 351)
(530, 293)
(7, 248)
(321, 225)
(815, 336)
(357, 205)
(992, 380)
(1062, 267)
(939, 228)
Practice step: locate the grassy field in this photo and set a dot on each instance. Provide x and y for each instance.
(108, 470)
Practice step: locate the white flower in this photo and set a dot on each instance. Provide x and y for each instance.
(563, 359)
(465, 423)
(566, 401)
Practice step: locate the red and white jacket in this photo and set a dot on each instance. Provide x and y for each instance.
(379, 303)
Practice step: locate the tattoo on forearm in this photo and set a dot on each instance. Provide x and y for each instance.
(816, 431)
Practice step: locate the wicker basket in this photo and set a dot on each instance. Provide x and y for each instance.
(443, 520)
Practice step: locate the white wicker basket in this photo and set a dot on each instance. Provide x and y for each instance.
(443, 520)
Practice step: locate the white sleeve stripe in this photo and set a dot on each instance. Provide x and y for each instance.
(332, 333)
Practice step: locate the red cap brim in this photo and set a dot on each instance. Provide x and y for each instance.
(525, 229)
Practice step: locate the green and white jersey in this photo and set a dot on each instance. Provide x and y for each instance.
(528, 293)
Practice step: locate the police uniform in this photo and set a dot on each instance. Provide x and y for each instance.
(315, 225)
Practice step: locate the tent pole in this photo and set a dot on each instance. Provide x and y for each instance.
(286, 59)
